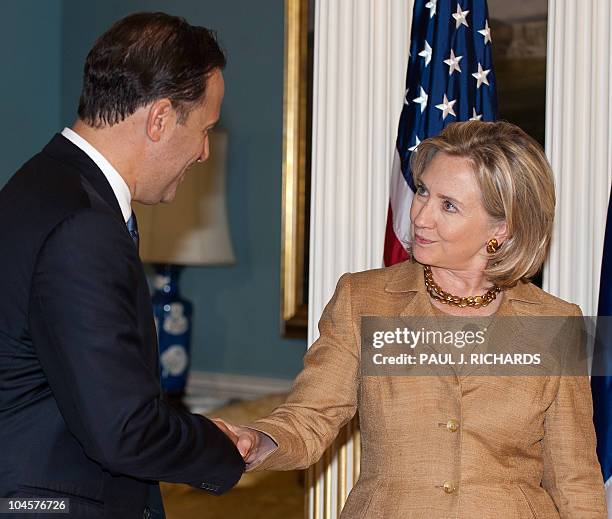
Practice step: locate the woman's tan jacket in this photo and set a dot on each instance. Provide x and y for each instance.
(440, 447)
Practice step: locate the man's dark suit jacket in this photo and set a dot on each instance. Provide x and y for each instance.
(81, 414)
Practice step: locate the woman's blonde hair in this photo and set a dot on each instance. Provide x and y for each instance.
(517, 186)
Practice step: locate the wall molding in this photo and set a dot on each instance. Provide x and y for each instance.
(233, 387)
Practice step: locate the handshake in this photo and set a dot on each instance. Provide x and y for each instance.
(251, 444)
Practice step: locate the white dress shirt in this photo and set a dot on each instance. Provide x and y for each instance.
(118, 185)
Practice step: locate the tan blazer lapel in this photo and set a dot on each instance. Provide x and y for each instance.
(419, 311)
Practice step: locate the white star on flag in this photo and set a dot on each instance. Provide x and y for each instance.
(486, 32)
(447, 107)
(459, 17)
(475, 116)
(453, 62)
(416, 144)
(426, 53)
(422, 99)
(406, 97)
(481, 76)
(431, 5)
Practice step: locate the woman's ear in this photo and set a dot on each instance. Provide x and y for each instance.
(500, 232)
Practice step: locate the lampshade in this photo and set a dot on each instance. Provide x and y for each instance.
(192, 229)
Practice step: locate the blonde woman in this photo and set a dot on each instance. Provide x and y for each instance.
(440, 447)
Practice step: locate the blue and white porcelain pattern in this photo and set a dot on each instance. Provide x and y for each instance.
(173, 315)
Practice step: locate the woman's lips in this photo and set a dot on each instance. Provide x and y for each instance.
(421, 241)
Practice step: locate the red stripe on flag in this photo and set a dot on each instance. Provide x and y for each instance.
(394, 250)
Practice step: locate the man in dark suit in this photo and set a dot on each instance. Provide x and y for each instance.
(81, 413)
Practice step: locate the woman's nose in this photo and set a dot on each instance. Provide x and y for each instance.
(423, 216)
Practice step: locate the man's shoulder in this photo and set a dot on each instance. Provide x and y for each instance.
(45, 186)
(50, 187)
(43, 194)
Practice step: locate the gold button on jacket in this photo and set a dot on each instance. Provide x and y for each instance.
(449, 487)
(523, 446)
(452, 425)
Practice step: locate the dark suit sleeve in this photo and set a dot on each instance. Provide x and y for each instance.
(84, 325)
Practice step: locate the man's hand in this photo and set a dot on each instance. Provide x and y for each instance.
(246, 440)
(226, 429)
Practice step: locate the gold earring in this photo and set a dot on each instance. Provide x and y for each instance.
(492, 246)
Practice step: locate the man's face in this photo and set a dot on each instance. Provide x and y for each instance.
(185, 143)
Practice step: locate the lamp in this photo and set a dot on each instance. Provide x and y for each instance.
(193, 231)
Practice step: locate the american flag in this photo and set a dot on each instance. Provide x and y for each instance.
(450, 78)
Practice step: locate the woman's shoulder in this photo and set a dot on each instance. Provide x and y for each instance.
(399, 277)
(539, 301)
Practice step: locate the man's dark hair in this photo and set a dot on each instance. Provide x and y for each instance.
(144, 57)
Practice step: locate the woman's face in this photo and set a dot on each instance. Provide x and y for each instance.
(449, 225)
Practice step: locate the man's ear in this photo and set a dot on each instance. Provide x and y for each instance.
(161, 116)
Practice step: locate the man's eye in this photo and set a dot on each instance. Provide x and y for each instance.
(420, 189)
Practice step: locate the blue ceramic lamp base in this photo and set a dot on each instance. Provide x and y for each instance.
(173, 317)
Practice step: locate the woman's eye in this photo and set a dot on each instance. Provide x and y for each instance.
(420, 189)
(448, 206)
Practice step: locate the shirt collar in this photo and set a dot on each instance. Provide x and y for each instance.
(118, 185)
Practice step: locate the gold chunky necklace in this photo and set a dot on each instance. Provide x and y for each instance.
(449, 299)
